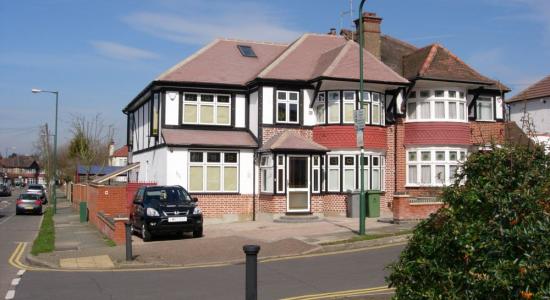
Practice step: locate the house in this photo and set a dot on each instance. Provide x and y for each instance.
(21, 169)
(267, 129)
(118, 157)
(533, 105)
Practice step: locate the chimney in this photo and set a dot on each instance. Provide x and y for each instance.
(371, 28)
(332, 31)
(111, 148)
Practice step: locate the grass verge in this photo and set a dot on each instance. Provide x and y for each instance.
(367, 237)
(108, 241)
(45, 241)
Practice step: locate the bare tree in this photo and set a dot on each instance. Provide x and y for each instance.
(43, 151)
(90, 142)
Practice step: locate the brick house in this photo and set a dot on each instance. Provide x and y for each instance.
(22, 169)
(264, 128)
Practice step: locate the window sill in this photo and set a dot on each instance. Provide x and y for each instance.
(436, 121)
(425, 186)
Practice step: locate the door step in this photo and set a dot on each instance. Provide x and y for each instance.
(297, 219)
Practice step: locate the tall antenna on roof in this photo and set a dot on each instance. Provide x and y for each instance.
(347, 12)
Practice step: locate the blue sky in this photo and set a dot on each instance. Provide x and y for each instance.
(99, 54)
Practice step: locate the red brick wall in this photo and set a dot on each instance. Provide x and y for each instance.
(387, 197)
(217, 205)
(269, 132)
(482, 133)
(403, 210)
(272, 204)
(117, 233)
(400, 168)
(328, 204)
(437, 133)
(343, 136)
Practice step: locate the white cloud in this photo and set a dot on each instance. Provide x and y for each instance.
(119, 51)
(199, 25)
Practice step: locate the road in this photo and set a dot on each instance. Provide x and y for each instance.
(13, 229)
(276, 279)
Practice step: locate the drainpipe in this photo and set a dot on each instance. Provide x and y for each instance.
(362, 202)
(254, 186)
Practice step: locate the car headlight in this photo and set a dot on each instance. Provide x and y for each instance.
(151, 212)
(197, 211)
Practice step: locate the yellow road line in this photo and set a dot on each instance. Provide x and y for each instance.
(342, 293)
(15, 261)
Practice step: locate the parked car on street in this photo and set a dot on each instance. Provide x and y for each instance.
(39, 190)
(28, 203)
(5, 190)
(165, 209)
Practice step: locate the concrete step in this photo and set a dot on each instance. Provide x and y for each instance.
(297, 219)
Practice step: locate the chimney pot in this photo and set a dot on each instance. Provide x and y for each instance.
(332, 31)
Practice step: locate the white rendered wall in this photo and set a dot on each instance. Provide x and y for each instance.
(152, 165)
(172, 108)
(253, 113)
(309, 114)
(537, 109)
(176, 169)
(246, 165)
(267, 105)
(240, 111)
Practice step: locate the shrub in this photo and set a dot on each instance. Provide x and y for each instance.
(492, 238)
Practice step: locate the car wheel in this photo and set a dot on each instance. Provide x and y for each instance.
(145, 234)
(197, 233)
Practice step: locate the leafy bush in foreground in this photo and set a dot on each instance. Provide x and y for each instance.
(492, 240)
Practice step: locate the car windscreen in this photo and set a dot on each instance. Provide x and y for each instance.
(35, 187)
(29, 197)
(167, 195)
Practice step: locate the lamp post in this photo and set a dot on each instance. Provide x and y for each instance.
(54, 192)
(362, 202)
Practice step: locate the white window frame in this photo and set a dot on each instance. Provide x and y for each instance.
(367, 106)
(280, 181)
(333, 104)
(320, 109)
(198, 103)
(420, 104)
(478, 114)
(266, 168)
(348, 101)
(377, 103)
(316, 168)
(332, 167)
(287, 102)
(347, 168)
(205, 164)
(462, 153)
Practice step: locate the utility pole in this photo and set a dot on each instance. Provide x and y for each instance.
(362, 201)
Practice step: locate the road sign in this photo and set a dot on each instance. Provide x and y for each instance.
(359, 134)
(359, 118)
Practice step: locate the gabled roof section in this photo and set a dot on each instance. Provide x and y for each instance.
(291, 141)
(19, 161)
(393, 50)
(437, 62)
(540, 89)
(115, 173)
(121, 152)
(221, 62)
(315, 55)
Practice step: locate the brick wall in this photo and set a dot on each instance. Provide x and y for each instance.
(269, 132)
(483, 133)
(218, 205)
(344, 136)
(437, 133)
(328, 204)
(403, 210)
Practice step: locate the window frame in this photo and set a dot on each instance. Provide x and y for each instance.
(433, 163)
(199, 103)
(489, 99)
(432, 103)
(334, 167)
(348, 101)
(333, 104)
(287, 102)
(345, 168)
(222, 164)
(266, 168)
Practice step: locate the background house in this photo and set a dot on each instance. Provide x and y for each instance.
(21, 169)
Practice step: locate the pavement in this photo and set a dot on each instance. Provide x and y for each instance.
(82, 246)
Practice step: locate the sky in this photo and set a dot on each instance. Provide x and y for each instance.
(100, 54)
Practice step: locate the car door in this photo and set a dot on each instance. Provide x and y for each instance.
(137, 208)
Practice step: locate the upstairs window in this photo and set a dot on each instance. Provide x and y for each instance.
(155, 116)
(206, 109)
(287, 107)
(320, 108)
(333, 107)
(349, 106)
(437, 105)
(484, 109)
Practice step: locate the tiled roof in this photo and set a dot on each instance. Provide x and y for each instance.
(290, 141)
(211, 138)
(19, 161)
(221, 62)
(393, 50)
(121, 152)
(540, 89)
(96, 170)
(437, 62)
(315, 55)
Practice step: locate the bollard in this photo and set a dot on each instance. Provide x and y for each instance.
(128, 241)
(251, 271)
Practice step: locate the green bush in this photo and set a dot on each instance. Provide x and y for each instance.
(492, 239)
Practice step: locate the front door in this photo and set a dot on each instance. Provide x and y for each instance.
(298, 184)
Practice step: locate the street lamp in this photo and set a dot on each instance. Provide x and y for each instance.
(54, 192)
(362, 202)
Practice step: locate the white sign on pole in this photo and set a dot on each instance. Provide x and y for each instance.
(359, 135)
(359, 119)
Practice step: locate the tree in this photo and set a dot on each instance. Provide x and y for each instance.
(44, 151)
(90, 142)
(492, 238)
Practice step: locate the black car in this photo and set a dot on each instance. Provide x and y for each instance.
(165, 209)
(5, 190)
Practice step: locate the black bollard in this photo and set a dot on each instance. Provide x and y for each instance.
(251, 271)
(128, 241)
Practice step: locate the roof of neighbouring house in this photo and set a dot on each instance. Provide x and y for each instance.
(96, 170)
(291, 141)
(540, 89)
(321, 55)
(121, 152)
(209, 138)
(19, 161)
(115, 173)
(221, 62)
(438, 63)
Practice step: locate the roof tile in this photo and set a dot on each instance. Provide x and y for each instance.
(540, 89)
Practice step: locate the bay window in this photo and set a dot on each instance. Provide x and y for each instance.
(266, 173)
(433, 166)
(206, 109)
(447, 105)
(349, 172)
(316, 170)
(288, 108)
(213, 171)
(349, 106)
(280, 174)
(320, 108)
(333, 107)
(333, 173)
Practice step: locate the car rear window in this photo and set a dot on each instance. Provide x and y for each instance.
(35, 187)
(169, 195)
(30, 196)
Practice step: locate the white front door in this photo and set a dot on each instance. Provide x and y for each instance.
(298, 195)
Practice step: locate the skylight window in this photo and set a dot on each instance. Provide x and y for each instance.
(246, 51)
